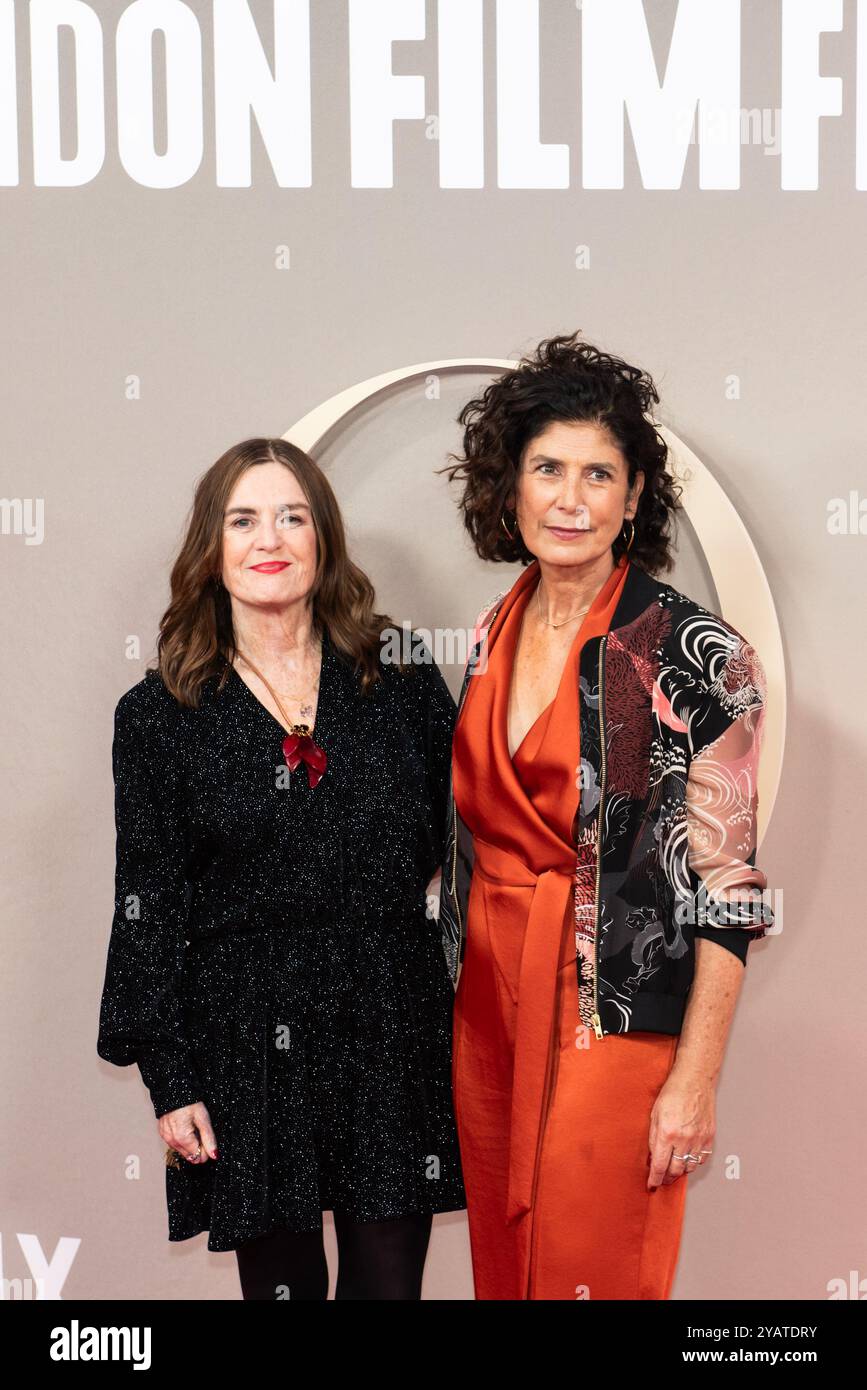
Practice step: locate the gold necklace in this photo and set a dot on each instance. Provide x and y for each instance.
(565, 620)
(304, 709)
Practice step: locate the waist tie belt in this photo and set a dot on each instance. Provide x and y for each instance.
(537, 991)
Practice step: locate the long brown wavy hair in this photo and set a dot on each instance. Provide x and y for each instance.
(197, 638)
(570, 380)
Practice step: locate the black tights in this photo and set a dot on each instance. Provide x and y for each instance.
(376, 1260)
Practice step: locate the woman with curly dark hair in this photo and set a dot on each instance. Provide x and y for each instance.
(599, 883)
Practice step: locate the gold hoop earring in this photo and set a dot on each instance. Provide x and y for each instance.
(514, 533)
(632, 532)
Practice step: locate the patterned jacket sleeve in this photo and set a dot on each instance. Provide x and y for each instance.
(141, 1017)
(725, 737)
(481, 625)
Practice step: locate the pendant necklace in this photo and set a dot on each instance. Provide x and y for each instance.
(298, 745)
(565, 620)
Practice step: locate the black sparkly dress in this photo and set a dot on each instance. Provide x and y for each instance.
(272, 953)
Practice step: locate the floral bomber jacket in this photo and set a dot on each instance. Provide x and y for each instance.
(672, 704)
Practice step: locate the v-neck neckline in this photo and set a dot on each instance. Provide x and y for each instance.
(513, 756)
(317, 719)
(512, 673)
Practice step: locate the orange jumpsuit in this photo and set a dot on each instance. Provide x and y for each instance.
(553, 1123)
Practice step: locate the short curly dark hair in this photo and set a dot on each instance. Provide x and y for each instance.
(570, 380)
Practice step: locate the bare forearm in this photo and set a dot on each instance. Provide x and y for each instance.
(710, 1008)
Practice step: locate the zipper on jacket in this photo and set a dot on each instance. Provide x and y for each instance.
(597, 1021)
(455, 892)
(454, 887)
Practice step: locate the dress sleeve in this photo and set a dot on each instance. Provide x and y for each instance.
(722, 802)
(439, 733)
(439, 714)
(141, 1016)
(430, 711)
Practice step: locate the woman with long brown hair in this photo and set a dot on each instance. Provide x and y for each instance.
(599, 883)
(273, 968)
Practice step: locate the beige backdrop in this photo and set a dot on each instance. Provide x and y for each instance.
(747, 306)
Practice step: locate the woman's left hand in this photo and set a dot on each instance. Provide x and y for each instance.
(683, 1121)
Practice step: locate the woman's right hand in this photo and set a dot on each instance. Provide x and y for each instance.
(188, 1129)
